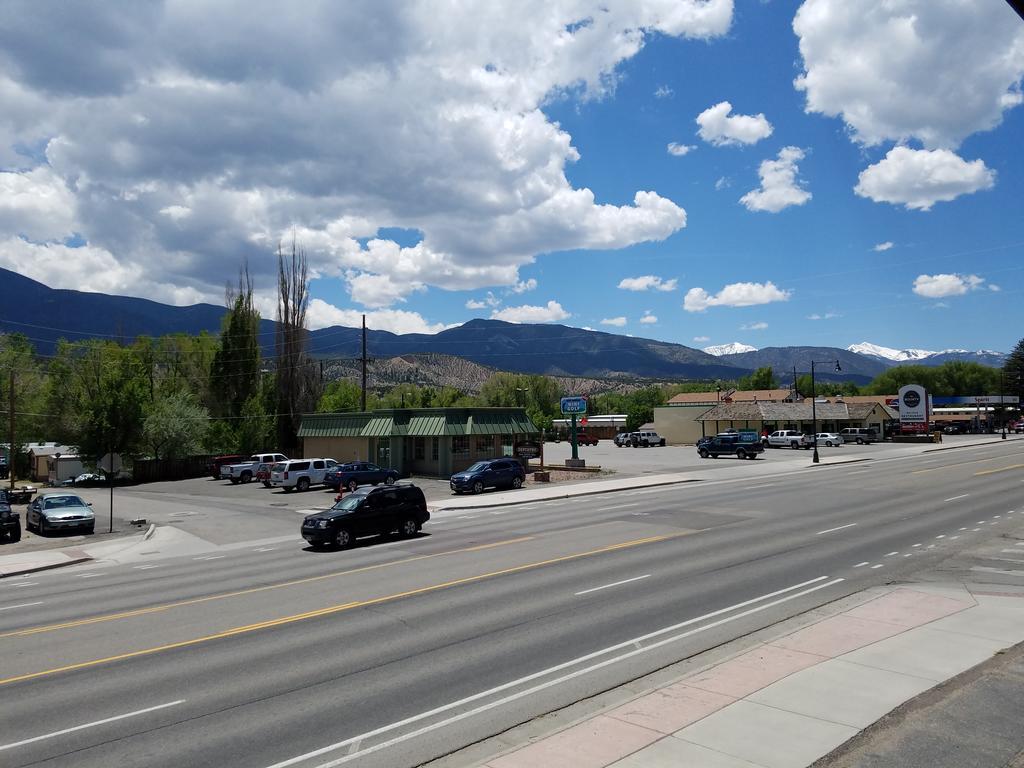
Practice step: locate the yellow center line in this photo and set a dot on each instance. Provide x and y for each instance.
(999, 469)
(250, 591)
(329, 610)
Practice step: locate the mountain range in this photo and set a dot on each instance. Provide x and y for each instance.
(46, 315)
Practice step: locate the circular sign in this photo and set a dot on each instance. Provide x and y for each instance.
(912, 399)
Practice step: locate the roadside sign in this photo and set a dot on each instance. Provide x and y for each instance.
(110, 463)
(577, 405)
(527, 450)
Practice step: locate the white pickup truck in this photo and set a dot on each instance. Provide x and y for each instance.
(789, 438)
(246, 471)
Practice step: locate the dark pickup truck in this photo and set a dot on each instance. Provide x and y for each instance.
(731, 445)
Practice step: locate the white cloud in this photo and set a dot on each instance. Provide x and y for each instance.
(648, 283)
(780, 187)
(618, 322)
(759, 326)
(701, 339)
(735, 295)
(420, 116)
(718, 128)
(919, 178)
(939, 286)
(474, 304)
(723, 182)
(648, 318)
(663, 92)
(934, 70)
(549, 313)
(994, 287)
(826, 316)
(323, 315)
(678, 150)
(882, 246)
(524, 285)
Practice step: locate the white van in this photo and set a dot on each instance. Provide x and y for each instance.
(300, 474)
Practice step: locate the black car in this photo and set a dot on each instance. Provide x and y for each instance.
(368, 512)
(357, 473)
(730, 444)
(10, 521)
(490, 473)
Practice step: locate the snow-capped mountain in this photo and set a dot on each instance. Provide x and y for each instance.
(734, 348)
(888, 353)
(892, 356)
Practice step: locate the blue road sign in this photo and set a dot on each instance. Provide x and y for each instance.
(575, 405)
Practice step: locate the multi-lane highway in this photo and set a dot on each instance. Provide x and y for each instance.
(395, 653)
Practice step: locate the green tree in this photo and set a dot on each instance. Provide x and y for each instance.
(175, 426)
(762, 378)
(235, 368)
(340, 396)
(889, 382)
(18, 364)
(1013, 371)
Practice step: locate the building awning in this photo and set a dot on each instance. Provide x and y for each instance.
(378, 426)
(501, 424)
(333, 424)
(419, 422)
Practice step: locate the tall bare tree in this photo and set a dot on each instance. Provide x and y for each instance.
(298, 381)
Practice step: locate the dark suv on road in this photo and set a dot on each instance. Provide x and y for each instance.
(731, 445)
(491, 473)
(10, 521)
(366, 512)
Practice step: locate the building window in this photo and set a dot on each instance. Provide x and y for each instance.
(460, 445)
(435, 448)
(484, 444)
(507, 448)
(419, 448)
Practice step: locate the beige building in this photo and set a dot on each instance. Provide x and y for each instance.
(678, 421)
(768, 417)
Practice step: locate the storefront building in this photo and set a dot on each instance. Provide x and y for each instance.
(434, 442)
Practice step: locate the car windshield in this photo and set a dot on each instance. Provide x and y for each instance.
(56, 502)
(479, 466)
(349, 503)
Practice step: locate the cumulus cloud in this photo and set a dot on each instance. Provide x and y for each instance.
(524, 285)
(877, 66)
(648, 283)
(919, 178)
(184, 137)
(723, 182)
(942, 285)
(780, 187)
(549, 313)
(882, 246)
(759, 326)
(474, 304)
(648, 318)
(678, 150)
(320, 314)
(618, 322)
(719, 128)
(994, 287)
(735, 295)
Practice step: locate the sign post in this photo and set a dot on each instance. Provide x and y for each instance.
(573, 407)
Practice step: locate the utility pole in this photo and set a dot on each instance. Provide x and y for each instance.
(362, 396)
(10, 432)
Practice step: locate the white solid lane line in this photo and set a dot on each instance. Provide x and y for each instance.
(145, 567)
(26, 584)
(861, 565)
(115, 718)
(830, 530)
(29, 605)
(613, 584)
(616, 507)
(954, 498)
(355, 741)
(876, 566)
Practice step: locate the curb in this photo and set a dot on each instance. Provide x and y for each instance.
(972, 445)
(567, 495)
(50, 567)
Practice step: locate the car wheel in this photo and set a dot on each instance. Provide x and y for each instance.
(343, 538)
(41, 527)
(389, 480)
(408, 528)
(478, 487)
(703, 454)
(860, 441)
(794, 445)
(517, 482)
(303, 484)
(741, 454)
(352, 485)
(828, 443)
(662, 443)
(246, 477)
(14, 535)
(266, 483)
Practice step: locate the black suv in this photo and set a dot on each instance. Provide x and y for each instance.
(491, 473)
(10, 521)
(729, 444)
(367, 512)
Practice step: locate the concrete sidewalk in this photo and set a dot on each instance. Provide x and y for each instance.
(790, 701)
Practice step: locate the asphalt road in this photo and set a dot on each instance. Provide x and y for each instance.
(394, 653)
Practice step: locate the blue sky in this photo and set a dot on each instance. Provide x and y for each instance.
(490, 165)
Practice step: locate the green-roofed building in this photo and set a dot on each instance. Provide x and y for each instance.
(418, 441)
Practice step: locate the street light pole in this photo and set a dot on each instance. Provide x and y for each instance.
(1002, 403)
(814, 404)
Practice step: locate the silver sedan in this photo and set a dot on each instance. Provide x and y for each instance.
(829, 439)
(59, 512)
